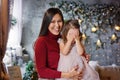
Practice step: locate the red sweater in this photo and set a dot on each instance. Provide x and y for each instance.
(47, 56)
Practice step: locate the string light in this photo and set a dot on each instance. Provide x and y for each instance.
(84, 36)
(113, 37)
(99, 20)
(98, 43)
(94, 29)
(80, 21)
(117, 27)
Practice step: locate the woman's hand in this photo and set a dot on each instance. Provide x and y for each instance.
(74, 74)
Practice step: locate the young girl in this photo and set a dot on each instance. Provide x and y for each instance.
(72, 52)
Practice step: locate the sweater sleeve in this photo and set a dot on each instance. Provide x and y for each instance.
(41, 61)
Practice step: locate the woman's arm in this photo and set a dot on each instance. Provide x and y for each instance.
(41, 61)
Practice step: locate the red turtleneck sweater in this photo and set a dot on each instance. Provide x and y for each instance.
(47, 56)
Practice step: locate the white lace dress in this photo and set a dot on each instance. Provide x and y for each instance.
(66, 63)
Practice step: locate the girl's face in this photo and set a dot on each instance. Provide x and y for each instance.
(73, 31)
(56, 25)
(72, 34)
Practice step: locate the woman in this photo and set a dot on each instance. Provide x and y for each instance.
(46, 47)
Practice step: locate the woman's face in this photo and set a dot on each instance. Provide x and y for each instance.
(56, 25)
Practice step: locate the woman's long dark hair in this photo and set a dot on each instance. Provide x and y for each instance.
(49, 14)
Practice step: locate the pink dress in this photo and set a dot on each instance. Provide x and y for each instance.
(66, 63)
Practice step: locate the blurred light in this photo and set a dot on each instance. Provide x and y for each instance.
(113, 37)
(117, 27)
(99, 43)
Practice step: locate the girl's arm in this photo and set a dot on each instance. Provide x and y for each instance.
(79, 45)
(65, 48)
(81, 49)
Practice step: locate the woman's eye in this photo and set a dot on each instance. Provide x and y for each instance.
(52, 21)
(56, 21)
(59, 21)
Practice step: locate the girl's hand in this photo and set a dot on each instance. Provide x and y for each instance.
(71, 35)
(87, 57)
(77, 35)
